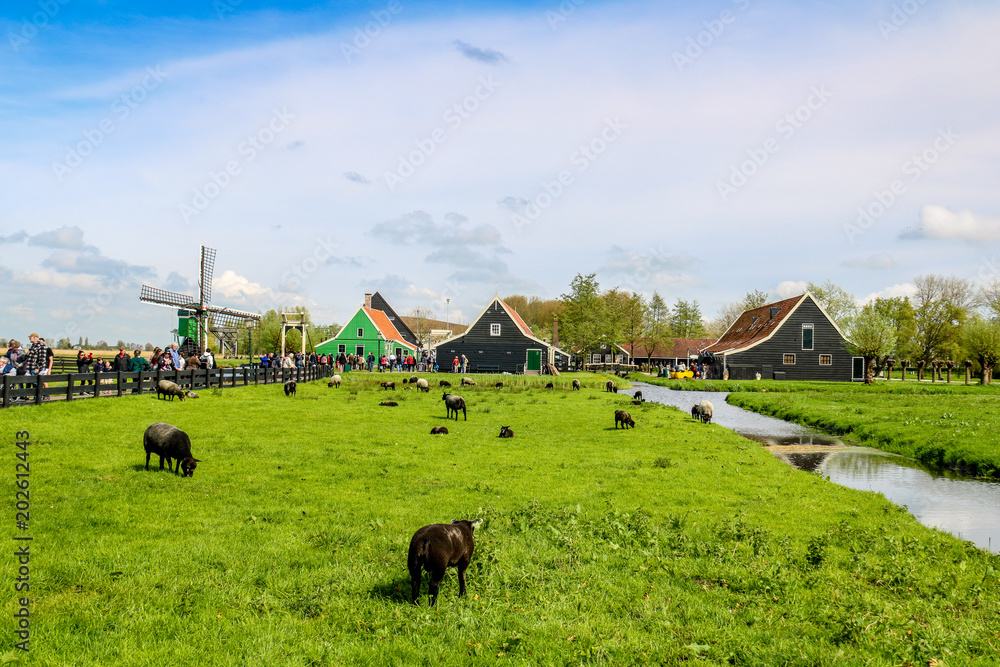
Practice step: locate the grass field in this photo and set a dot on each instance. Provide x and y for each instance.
(667, 543)
(940, 424)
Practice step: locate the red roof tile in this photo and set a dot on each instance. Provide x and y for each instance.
(754, 326)
(382, 322)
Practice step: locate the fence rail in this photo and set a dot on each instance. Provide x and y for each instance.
(20, 389)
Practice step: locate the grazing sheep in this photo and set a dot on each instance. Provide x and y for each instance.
(638, 396)
(413, 379)
(576, 385)
(703, 411)
(468, 381)
(168, 388)
(169, 442)
(389, 404)
(437, 547)
(634, 402)
(290, 387)
(550, 386)
(388, 385)
(423, 385)
(335, 381)
(439, 430)
(454, 403)
(623, 418)
(191, 394)
(506, 432)
(499, 385)
(444, 383)
(611, 386)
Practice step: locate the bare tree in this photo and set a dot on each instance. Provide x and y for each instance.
(422, 322)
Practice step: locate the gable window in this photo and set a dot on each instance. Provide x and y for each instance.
(807, 336)
(494, 329)
(826, 360)
(789, 360)
(361, 332)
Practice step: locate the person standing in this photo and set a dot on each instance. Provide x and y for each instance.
(465, 364)
(36, 362)
(455, 365)
(175, 356)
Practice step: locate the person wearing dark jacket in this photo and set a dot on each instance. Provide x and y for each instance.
(122, 362)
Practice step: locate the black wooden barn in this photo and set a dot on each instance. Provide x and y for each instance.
(499, 341)
(793, 339)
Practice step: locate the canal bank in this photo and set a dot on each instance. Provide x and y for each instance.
(964, 506)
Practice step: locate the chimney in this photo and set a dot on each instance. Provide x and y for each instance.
(555, 330)
(774, 311)
(368, 300)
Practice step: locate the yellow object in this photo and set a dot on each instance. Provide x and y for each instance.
(679, 375)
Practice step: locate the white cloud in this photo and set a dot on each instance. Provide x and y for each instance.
(938, 222)
(879, 261)
(903, 289)
(77, 282)
(789, 288)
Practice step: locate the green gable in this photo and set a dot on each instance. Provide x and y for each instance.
(360, 336)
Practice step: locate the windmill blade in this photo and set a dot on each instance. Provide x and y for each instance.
(207, 268)
(162, 297)
(230, 317)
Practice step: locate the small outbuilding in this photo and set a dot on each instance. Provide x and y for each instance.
(792, 339)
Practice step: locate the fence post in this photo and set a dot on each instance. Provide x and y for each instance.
(38, 389)
(69, 387)
(6, 391)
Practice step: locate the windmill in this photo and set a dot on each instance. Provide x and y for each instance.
(197, 317)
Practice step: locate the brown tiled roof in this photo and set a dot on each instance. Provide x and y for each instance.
(754, 326)
(675, 348)
(429, 324)
(521, 324)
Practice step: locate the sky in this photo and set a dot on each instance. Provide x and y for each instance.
(443, 152)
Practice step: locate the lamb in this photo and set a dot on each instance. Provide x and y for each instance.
(168, 388)
(423, 385)
(576, 385)
(437, 547)
(703, 411)
(414, 379)
(468, 381)
(454, 403)
(638, 396)
(290, 387)
(623, 418)
(191, 394)
(169, 442)
(499, 385)
(506, 432)
(388, 385)
(439, 430)
(444, 383)
(335, 381)
(611, 386)
(550, 386)
(389, 404)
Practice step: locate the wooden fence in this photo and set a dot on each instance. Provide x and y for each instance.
(20, 389)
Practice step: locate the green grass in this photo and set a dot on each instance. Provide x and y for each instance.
(666, 543)
(950, 425)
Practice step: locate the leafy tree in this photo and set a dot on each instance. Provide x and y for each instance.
(982, 339)
(942, 305)
(685, 320)
(838, 303)
(656, 329)
(633, 320)
(64, 344)
(536, 312)
(583, 313)
(901, 314)
(989, 297)
(873, 337)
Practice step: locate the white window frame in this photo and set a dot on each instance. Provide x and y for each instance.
(495, 329)
(784, 359)
(829, 363)
(595, 358)
(812, 337)
(361, 332)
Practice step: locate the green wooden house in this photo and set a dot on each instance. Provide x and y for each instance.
(369, 330)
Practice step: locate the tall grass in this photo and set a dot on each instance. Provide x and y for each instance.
(670, 542)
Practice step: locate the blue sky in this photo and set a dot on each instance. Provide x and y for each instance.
(450, 150)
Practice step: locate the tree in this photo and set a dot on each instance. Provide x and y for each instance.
(942, 305)
(982, 339)
(656, 331)
(989, 297)
(838, 303)
(900, 312)
(873, 337)
(583, 313)
(422, 322)
(536, 312)
(633, 320)
(685, 320)
(64, 344)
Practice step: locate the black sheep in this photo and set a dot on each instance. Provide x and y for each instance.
(454, 403)
(437, 547)
(290, 387)
(506, 432)
(623, 418)
(169, 442)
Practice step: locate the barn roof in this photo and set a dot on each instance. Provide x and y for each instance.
(672, 348)
(757, 325)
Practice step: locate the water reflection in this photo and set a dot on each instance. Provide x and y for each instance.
(963, 506)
